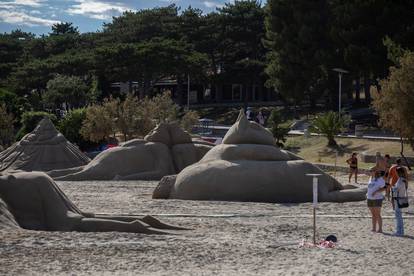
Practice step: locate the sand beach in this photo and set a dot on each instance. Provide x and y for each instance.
(228, 238)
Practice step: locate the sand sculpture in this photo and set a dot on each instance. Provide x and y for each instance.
(165, 150)
(43, 149)
(248, 167)
(7, 220)
(33, 201)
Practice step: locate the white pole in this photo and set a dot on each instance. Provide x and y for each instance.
(336, 159)
(315, 204)
(188, 92)
(315, 201)
(340, 94)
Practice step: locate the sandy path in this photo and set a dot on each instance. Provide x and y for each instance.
(254, 239)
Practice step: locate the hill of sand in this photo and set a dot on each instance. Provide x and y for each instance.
(43, 149)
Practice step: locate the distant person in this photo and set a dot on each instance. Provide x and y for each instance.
(399, 191)
(249, 114)
(260, 118)
(382, 163)
(393, 175)
(376, 185)
(353, 167)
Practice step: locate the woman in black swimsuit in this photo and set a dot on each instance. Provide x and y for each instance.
(353, 166)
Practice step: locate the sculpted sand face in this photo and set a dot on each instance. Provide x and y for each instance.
(248, 167)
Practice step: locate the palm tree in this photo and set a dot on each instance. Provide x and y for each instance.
(329, 124)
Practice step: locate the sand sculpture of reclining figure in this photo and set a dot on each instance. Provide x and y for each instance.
(43, 149)
(165, 150)
(33, 201)
(248, 167)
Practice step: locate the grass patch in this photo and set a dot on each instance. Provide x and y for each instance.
(315, 149)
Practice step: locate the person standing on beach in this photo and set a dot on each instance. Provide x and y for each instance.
(353, 167)
(249, 114)
(260, 118)
(393, 175)
(382, 163)
(399, 191)
(376, 185)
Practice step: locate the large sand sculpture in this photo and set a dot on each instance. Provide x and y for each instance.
(33, 201)
(43, 149)
(165, 150)
(248, 167)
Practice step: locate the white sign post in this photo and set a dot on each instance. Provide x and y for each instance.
(315, 202)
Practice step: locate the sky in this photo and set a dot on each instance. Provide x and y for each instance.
(37, 16)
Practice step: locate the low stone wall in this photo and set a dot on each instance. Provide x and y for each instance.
(330, 167)
(370, 158)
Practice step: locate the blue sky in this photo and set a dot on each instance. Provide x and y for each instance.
(37, 16)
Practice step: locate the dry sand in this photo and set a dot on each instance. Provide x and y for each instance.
(247, 239)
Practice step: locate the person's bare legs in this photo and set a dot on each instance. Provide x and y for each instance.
(379, 219)
(107, 225)
(356, 176)
(373, 219)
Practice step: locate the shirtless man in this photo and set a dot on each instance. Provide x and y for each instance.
(382, 164)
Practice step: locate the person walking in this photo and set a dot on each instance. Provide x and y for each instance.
(260, 118)
(376, 185)
(399, 194)
(353, 167)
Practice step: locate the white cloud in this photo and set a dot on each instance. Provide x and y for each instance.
(19, 3)
(96, 9)
(210, 4)
(24, 19)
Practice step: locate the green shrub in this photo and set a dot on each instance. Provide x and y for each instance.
(71, 125)
(31, 119)
(189, 119)
(329, 124)
(6, 126)
(279, 132)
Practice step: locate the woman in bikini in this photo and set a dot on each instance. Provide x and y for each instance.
(353, 167)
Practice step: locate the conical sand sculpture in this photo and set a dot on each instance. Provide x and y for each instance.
(32, 200)
(165, 150)
(248, 167)
(43, 149)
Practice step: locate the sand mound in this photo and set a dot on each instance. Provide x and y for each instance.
(257, 171)
(168, 134)
(247, 132)
(7, 220)
(165, 150)
(37, 203)
(43, 149)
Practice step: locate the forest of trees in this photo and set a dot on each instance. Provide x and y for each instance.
(291, 45)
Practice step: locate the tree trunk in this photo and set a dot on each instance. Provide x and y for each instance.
(332, 142)
(180, 90)
(367, 86)
(357, 91)
(245, 96)
(219, 93)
